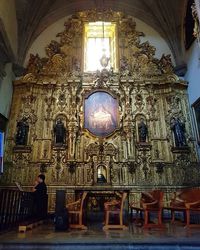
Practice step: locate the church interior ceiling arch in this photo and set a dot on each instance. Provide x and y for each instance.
(141, 104)
(166, 17)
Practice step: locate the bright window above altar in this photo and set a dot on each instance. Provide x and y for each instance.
(100, 43)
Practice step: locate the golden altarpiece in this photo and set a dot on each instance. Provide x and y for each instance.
(137, 88)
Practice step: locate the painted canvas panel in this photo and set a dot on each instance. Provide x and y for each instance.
(101, 113)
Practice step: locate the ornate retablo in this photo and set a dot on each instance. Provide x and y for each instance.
(113, 122)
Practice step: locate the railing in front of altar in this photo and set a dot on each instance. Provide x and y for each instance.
(16, 207)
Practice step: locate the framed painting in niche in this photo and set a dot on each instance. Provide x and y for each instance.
(101, 113)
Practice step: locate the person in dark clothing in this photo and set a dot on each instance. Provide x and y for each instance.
(40, 197)
(40, 188)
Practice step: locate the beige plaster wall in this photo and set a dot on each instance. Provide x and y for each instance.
(49, 34)
(8, 17)
(6, 91)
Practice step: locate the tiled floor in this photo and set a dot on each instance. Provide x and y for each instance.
(134, 234)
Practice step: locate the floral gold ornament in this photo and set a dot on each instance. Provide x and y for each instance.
(138, 86)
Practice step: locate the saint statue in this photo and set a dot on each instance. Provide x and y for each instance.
(142, 131)
(22, 132)
(59, 132)
(178, 129)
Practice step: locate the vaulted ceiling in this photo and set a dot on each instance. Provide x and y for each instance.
(165, 16)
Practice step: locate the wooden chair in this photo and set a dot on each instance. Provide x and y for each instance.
(150, 202)
(156, 205)
(75, 210)
(186, 201)
(115, 208)
(176, 204)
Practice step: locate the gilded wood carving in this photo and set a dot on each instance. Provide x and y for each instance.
(54, 88)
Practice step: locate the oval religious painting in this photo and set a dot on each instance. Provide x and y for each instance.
(101, 113)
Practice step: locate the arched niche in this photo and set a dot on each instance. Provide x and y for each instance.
(102, 174)
(141, 129)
